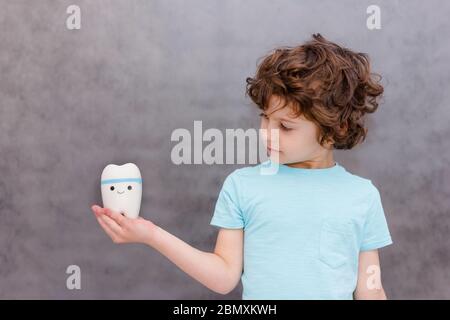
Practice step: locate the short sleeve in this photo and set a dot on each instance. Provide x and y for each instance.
(376, 231)
(227, 212)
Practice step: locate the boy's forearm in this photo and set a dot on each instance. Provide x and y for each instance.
(374, 294)
(208, 268)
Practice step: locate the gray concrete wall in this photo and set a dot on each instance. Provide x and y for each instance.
(73, 101)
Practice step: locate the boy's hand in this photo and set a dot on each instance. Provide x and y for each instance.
(122, 229)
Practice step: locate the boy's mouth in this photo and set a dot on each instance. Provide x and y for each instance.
(271, 149)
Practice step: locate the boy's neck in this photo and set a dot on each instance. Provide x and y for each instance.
(324, 161)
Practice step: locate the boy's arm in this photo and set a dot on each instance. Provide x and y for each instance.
(369, 286)
(219, 271)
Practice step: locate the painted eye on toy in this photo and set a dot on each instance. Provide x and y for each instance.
(112, 188)
(129, 188)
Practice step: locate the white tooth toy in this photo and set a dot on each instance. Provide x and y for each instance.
(122, 189)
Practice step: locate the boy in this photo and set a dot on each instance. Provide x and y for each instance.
(312, 230)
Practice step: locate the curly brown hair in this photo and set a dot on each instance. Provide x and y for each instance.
(330, 85)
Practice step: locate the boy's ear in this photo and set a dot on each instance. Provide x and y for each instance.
(329, 143)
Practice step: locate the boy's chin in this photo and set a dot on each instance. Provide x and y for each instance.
(277, 159)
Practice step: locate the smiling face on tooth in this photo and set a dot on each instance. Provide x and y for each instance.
(121, 188)
(115, 187)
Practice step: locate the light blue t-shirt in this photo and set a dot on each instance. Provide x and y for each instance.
(303, 229)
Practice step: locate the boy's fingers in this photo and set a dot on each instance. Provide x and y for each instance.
(97, 210)
(117, 217)
(106, 228)
(112, 224)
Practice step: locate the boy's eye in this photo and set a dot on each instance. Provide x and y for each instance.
(112, 188)
(129, 187)
(284, 127)
(262, 114)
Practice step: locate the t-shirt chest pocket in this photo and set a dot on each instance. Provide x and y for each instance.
(336, 242)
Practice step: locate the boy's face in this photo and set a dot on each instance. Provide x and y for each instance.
(297, 136)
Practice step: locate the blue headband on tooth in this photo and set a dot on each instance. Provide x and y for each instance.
(109, 181)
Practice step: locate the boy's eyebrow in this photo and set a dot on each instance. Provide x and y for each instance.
(287, 120)
(284, 119)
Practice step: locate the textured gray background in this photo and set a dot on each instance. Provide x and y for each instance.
(73, 101)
